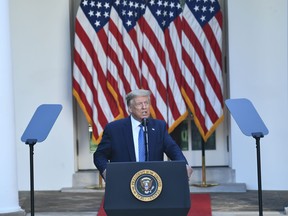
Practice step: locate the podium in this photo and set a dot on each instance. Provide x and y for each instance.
(147, 188)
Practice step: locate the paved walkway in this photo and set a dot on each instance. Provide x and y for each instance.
(56, 203)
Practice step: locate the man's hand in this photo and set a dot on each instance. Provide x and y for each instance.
(189, 171)
(104, 175)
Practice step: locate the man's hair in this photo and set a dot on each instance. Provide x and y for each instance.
(136, 93)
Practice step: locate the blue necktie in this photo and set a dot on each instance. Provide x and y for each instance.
(141, 144)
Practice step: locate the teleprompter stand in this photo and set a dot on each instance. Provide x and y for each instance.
(251, 124)
(37, 131)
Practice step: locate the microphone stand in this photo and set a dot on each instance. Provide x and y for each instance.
(144, 122)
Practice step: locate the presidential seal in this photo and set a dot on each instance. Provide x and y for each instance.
(146, 185)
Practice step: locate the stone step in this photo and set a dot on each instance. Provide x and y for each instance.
(218, 179)
(213, 174)
(220, 188)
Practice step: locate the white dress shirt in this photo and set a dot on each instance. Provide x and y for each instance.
(135, 132)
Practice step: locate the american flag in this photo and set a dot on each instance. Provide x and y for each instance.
(161, 66)
(90, 65)
(122, 45)
(124, 50)
(202, 63)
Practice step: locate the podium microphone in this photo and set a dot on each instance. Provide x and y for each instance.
(144, 123)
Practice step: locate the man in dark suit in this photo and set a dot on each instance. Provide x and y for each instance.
(120, 138)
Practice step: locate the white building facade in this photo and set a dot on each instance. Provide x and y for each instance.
(257, 69)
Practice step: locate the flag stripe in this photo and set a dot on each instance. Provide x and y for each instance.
(177, 107)
(124, 51)
(99, 77)
(89, 73)
(153, 82)
(154, 57)
(201, 77)
(202, 63)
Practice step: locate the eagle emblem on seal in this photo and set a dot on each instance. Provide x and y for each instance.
(147, 185)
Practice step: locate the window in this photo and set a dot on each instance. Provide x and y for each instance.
(186, 128)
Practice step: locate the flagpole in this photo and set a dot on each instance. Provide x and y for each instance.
(100, 185)
(204, 182)
(92, 146)
(100, 182)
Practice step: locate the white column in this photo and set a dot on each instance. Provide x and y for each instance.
(9, 200)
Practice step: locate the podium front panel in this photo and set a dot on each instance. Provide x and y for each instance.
(174, 198)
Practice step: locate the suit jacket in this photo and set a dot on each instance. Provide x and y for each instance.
(117, 143)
